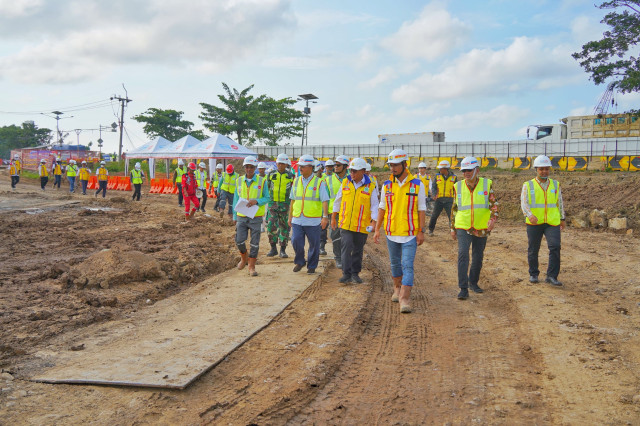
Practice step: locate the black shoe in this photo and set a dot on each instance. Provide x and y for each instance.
(533, 279)
(203, 211)
(553, 281)
(273, 251)
(323, 252)
(345, 279)
(297, 268)
(356, 279)
(476, 289)
(283, 254)
(311, 271)
(338, 264)
(180, 205)
(464, 294)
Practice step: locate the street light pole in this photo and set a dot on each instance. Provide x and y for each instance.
(307, 111)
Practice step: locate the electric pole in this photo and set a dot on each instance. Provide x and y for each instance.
(123, 101)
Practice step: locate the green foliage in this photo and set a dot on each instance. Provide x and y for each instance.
(608, 58)
(167, 123)
(249, 119)
(28, 135)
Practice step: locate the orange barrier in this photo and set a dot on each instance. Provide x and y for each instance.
(112, 182)
(125, 184)
(169, 188)
(119, 185)
(93, 182)
(157, 185)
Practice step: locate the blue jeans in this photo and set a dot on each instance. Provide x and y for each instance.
(57, 180)
(468, 276)
(401, 256)
(312, 233)
(72, 183)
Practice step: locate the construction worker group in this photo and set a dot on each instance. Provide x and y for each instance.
(342, 200)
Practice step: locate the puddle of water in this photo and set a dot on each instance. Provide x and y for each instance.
(103, 209)
(34, 211)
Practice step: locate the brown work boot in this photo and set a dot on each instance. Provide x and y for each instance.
(243, 260)
(397, 283)
(405, 295)
(252, 267)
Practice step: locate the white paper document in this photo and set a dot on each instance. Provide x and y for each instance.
(242, 208)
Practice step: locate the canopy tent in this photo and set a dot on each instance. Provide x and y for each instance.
(188, 147)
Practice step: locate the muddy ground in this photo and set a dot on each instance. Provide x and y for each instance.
(519, 353)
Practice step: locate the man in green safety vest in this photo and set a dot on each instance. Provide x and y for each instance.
(201, 178)
(214, 185)
(227, 189)
(334, 181)
(72, 172)
(177, 180)
(136, 179)
(278, 228)
(541, 202)
(251, 188)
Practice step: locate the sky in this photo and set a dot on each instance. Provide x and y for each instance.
(476, 70)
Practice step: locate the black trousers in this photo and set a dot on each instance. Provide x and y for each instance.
(352, 247)
(43, 181)
(136, 191)
(468, 275)
(552, 234)
(203, 200)
(102, 187)
(441, 203)
(323, 237)
(180, 197)
(14, 181)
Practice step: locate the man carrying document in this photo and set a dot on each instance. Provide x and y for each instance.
(251, 198)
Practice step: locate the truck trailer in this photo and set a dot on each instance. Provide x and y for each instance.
(411, 138)
(587, 127)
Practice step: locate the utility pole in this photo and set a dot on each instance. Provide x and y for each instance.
(58, 114)
(307, 111)
(123, 101)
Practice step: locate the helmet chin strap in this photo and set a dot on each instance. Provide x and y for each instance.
(404, 167)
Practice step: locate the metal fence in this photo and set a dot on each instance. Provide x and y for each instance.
(498, 149)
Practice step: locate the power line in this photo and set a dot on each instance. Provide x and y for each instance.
(80, 107)
(123, 102)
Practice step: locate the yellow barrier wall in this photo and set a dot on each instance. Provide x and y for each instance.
(523, 163)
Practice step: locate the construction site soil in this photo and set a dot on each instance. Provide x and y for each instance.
(339, 354)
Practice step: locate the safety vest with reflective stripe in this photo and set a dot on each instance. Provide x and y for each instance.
(179, 173)
(102, 173)
(445, 185)
(84, 173)
(544, 204)
(229, 182)
(401, 214)
(57, 170)
(72, 170)
(306, 200)
(137, 176)
(252, 192)
(333, 185)
(201, 177)
(426, 181)
(280, 185)
(473, 208)
(13, 169)
(215, 178)
(355, 206)
(43, 170)
(18, 165)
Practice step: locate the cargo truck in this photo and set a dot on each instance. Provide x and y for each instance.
(411, 138)
(587, 127)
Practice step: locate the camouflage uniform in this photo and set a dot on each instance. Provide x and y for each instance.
(278, 220)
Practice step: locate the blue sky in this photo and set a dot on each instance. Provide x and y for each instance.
(474, 70)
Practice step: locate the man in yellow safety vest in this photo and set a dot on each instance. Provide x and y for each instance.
(14, 171)
(137, 175)
(474, 214)
(72, 172)
(201, 178)
(177, 180)
(541, 202)
(442, 193)
(83, 175)
(341, 171)
(227, 189)
(215, 179)
(357, 205)
(103, 177)
(402, 213)
(56, 171)
(252, 190)
(308, 214)
(44, 174)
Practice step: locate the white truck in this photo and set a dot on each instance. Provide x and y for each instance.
(411, 138)
(587, 127)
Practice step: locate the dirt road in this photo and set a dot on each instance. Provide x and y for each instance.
(519, 353)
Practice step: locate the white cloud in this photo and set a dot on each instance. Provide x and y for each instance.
(91, 36)
(18, 8)
(580, 111)
(385, 75)
(365, 58)
(485, 72)
(499, 117)
(433, 34)
(296, 62)
(584, 29)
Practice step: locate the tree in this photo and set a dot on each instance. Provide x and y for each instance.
(28, 135)
(609, 57)
(167, 123)
(250, 119)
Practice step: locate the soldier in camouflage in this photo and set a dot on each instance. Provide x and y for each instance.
(278, 222)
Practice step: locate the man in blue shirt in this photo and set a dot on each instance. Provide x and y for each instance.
(253, 188)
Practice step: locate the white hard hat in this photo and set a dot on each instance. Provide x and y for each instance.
(219, 166)
(180, 162)
(306, 160)
(421, 165)
(202, 165)
(283, 158)
(329, 163)
(250, 161)
(72, 161)
(137, 166)
(542, 161)
(342, 159)
(397, 156)
(317, 166)
(444, 164)
(102, 163)
(358, 164)
(262, 165)
(84, 162)
(43, 161)
(368, 166)
(16, 156)
(270, 170)
(469, 163)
